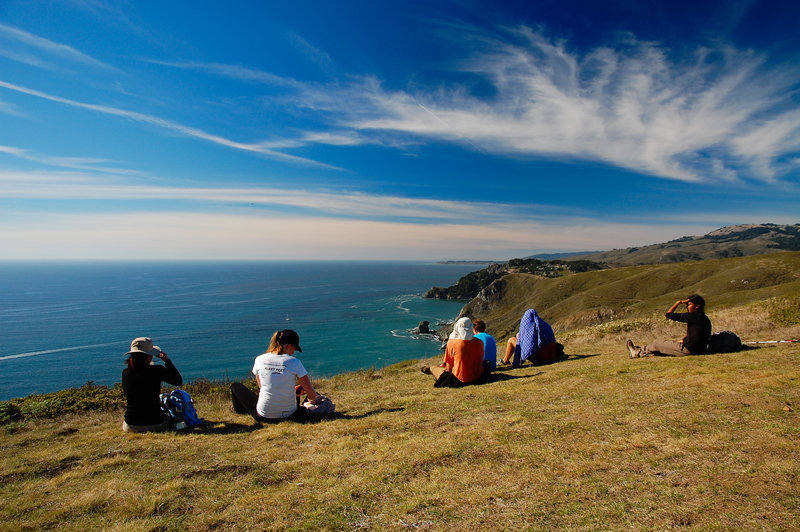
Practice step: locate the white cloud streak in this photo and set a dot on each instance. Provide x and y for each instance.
(316, 55)
(237, 72)
(163, 222)
(174, 127)
(34, 44)
(74, 163)
(85, 187)
(723, 115)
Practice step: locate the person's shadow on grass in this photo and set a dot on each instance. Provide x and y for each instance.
(501, 375)
(576, 357)
(564, 358)
(341, 415)
(220, 427)
(224, 427)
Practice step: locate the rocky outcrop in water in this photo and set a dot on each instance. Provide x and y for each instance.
(424, 327)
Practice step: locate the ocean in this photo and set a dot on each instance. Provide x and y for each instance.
(64, 324)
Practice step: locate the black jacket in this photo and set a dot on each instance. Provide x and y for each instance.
(142, 387)
(698, 330)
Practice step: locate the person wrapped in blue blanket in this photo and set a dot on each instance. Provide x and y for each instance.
(535, 341)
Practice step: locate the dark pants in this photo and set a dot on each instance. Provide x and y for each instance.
(245, 401)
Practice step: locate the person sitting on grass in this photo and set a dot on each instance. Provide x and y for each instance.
(698, 332)
(141, 384)
(463, 358)
(277, 373)
(489, 345)
(535, 341)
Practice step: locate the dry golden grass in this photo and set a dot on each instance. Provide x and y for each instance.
(751, 323)
(596, 442)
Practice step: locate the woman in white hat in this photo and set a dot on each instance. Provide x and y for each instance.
(141, 383)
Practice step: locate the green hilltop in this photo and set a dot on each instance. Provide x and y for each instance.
(733, 241)
(726, 242)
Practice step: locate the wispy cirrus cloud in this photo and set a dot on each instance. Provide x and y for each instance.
(719, 115)
(724, 115)
(22, 46)
(174, 127)
(299, 94)
(74, 186)
(316, 55)
(74, 163)
(237, 72)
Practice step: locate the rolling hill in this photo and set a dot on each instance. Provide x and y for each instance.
(594, 297)
(733, 241)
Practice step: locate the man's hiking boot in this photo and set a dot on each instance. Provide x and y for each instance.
(425, 369)
(634, 351)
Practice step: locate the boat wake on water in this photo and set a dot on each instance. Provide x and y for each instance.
(60, 350)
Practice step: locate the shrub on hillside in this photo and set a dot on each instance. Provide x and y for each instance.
(9, 412)
(72, 400)
(92, 397)
(784, 312)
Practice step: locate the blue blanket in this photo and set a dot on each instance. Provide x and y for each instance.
(534, 332)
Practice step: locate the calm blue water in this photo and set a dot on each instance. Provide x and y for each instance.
(62, 325)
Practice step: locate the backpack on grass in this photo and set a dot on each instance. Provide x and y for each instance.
(179, 406)
(724, 342)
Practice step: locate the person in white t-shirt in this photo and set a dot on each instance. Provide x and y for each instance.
(277, 373)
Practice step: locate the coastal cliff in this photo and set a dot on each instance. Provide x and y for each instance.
(473, 283)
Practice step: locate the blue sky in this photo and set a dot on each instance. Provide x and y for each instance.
(391, 130)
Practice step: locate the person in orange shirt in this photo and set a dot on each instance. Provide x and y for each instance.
(463, 356)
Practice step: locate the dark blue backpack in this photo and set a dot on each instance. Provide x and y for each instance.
(180, 408)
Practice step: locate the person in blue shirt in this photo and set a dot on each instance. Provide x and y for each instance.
(489, 345)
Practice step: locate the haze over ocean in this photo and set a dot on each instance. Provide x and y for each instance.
(68, 323)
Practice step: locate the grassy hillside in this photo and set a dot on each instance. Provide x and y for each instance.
(734, 241)
(726, 242)
(596, 442)
(593, 298)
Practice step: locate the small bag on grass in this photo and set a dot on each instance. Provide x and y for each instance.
(324, 406)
